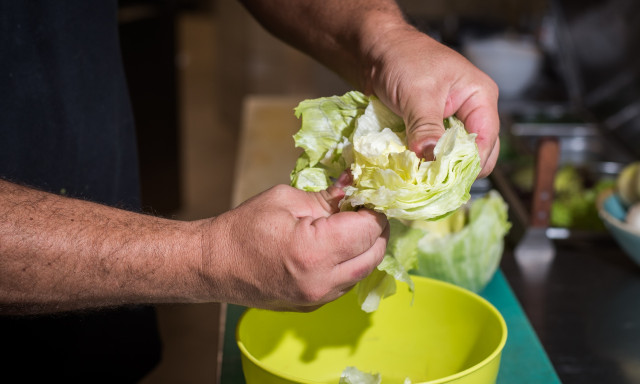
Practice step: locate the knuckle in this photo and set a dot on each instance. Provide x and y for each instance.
(360, 273)
(304, 261)
(280, 190)
(313, 294)
(425, 125)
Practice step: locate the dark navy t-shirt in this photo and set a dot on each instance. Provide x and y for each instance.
(66, 127)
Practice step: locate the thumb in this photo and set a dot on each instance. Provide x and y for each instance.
(352, 234)
(335, 193)
(424, 129)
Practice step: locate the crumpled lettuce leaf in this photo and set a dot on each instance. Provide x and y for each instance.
(390, 178)
(327, 125)
(361, 134)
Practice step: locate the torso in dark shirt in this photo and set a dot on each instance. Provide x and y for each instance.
(65, 121)
(66, 127)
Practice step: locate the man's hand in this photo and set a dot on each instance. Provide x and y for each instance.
(425, 82)
(287, 249)
(369, 44)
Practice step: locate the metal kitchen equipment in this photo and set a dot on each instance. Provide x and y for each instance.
(535, 251)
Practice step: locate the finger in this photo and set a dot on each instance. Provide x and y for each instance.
(351, 271)
(330, 199)
(308, 204)
(491, 160)
(335, 193)
(477, 108)
(347, 274)
(349, 234)
(483, 121)
(423, 132)
(345, 179)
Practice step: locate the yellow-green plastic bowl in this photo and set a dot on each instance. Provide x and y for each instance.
(447, 335)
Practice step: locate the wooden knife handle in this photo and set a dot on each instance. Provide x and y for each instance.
(547, 155)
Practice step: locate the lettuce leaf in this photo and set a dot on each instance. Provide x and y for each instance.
(359, 133)
(390, 178)
(467, 255)
(352, 375)
(327, 124)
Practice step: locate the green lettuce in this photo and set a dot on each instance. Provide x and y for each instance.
(327, 125)
(464, 248)
(400, 258)
(352, 375)
(359, 133)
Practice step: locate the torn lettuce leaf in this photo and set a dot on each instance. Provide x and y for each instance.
(381, 283)
(400, 258)
(352, 375)
(311, 179)
(327, 125)
(464, 248)
(359, 133)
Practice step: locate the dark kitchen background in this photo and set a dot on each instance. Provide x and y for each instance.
(190, 64)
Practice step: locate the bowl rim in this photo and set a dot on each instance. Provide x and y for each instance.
(609, 218)
(486, 361)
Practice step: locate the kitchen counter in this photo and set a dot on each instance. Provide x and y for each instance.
(584, 311)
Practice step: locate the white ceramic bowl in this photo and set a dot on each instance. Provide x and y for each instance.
(513, 63)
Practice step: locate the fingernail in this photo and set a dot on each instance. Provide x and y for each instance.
(427, 152)
(344, 179)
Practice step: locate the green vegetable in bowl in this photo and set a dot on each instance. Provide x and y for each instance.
(574, 204)
(352, 375)
(575, 194)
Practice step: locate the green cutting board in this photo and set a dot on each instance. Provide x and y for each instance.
(524, 360)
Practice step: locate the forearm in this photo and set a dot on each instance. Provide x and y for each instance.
(340, 34)
(59, 254)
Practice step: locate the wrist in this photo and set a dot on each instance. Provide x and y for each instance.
(380, 31)
(211, 267)
(171, 250)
